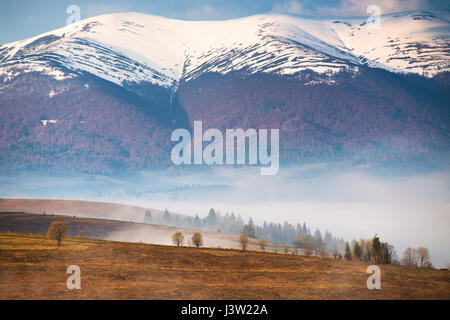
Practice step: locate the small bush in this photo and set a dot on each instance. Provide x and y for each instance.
(178, 239)
(243, 240)
(57, 231)
(197, 239)
(262, 244)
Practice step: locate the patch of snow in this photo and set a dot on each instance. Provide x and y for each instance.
(45, 122)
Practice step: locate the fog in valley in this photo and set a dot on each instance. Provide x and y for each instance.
(405, 209)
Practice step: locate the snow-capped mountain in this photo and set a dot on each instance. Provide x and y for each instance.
(134, 47)
(103, 95)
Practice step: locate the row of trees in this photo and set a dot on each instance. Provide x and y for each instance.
(230, 223)
(196, 239)
(318, 245)
(371, 250)
(381, 252)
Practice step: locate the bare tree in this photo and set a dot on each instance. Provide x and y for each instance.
(57, 231)
(262, 244)
(423, 257)
(335, 253)
(197, 239)
(322, 251)
(178, 239)
(307, 248)
(243, 240)
(409, 257)
(366, 249)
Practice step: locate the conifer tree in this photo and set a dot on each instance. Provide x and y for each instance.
(197, 223)
(148, 217)
(348, 253)
(357, 250)
(376, 249)
(167, 218)
(211, 219)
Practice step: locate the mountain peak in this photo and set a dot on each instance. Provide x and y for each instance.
(136, 47)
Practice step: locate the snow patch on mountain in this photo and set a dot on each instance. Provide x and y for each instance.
(413, 42)
(133, 47)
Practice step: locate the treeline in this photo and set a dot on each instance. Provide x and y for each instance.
(372, 250)
(273, 232)
(381, 252)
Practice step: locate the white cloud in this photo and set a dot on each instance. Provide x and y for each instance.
(205, 12)
(359, 7)
(92, 10)
(351, 8)
(292, 7)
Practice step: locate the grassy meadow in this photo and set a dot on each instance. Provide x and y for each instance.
(33, 267)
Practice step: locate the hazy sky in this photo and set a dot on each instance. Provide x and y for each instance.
(21, 19)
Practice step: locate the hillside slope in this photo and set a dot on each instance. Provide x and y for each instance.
(114, 230)
(139, 271)
(81, 208)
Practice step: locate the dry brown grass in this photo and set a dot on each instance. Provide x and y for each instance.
(31, 268)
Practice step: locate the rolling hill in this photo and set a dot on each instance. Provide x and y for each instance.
(108, 221)
(115, 230)
(80, 208)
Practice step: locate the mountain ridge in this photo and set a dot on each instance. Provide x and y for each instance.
(139, 47)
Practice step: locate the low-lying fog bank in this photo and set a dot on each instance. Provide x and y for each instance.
(405, 210)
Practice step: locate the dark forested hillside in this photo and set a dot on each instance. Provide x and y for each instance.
(84, 124)
(372, 115)
(87, 124)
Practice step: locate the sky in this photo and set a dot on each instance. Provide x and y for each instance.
(22, 19)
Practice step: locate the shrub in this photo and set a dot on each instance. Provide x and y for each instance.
(178, 238)
(197, 239)
(322, 251)
(262, 244)
(243, 240)
(307, 248)
(57, 231)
